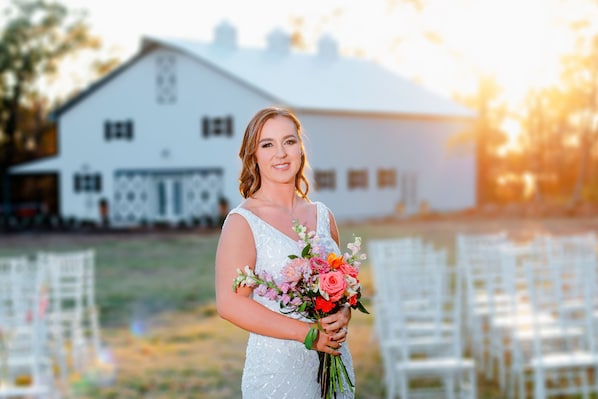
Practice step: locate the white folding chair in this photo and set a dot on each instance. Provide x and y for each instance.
(23, 341)
(73, 319)
(393, 261)
(479, 257)
(441, 365)
(564, 360)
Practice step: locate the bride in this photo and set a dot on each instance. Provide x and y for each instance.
(259, 233)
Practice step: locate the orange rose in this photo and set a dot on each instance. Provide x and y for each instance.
(335, 261)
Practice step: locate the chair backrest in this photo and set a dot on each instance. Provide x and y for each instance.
(23, 305)
(72, 279)
(390, 257)
(478, 255)
(428, 320)
(566, 291)
(20, 280)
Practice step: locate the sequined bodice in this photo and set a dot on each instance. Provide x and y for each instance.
(276, 368)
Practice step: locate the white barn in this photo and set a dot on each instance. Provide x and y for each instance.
(158, 137)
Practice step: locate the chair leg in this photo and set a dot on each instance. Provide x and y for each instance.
(539, 385)
(473, 383)
(584, 381)
(449, 384)
(403, 386)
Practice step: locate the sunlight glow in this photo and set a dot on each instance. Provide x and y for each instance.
(519, 42)
(513, 131)
(444, 45)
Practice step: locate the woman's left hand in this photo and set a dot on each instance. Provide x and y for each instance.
(336, 325)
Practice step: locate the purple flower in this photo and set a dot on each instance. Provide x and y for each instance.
(285, 287)
(285, 299)
(297, 301)
(261, 290)
(271, 294)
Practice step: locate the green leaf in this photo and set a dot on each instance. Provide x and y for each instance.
(362, 308)
(293, 256)
(311, 337)
(306, 251)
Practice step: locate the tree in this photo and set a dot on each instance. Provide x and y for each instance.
(486, 135)
(581, 79)
(36, 36)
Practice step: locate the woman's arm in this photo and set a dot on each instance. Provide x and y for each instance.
(336, 324)
(236, 248)
(333, 228)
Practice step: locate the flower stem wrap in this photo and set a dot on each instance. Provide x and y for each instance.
(311, 337)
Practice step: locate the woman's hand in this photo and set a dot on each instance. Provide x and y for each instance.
(336, 325)
(326, 343)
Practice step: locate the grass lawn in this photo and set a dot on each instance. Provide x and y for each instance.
(159, 324)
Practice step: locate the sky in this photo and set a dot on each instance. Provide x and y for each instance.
(444, 46)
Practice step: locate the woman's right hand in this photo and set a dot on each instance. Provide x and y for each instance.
(325, 343)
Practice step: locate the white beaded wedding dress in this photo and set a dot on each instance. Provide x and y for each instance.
(276, 368)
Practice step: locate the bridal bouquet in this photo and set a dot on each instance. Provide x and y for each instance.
(314, 285)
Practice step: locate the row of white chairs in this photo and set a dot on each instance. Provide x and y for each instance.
(49, 328)
(529, 315)
(531, 312)
(418, 321)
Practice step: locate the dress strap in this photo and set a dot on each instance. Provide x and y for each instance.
(323, 219)
(249, 216)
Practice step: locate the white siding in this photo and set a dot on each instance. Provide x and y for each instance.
(168, 137)
(445, 179)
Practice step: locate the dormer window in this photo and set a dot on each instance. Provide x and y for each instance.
(217, 126)
(118, 130)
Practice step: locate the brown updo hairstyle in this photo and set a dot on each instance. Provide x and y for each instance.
(250, 180)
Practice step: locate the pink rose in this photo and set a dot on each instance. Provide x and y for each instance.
(295, 269)
(319, 265)
(332, 285)
(348, 269)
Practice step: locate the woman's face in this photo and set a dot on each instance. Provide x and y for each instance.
(278, 151)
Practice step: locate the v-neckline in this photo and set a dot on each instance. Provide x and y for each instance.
(278, 230)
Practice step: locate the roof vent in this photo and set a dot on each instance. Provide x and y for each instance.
(279, 42)
(327, 48)
(225, 36)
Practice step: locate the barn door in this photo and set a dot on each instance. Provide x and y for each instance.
(169, 198)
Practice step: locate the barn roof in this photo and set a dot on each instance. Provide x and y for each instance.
(323, 81)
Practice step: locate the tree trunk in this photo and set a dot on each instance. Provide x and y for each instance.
(9, 129)
(576, 196)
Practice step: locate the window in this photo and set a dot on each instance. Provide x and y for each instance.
(178, 198)
(387, 178)
(166, 80)
(358, 179)
(217, 126)
(325, 179)
(88, 183)
(118, 130)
